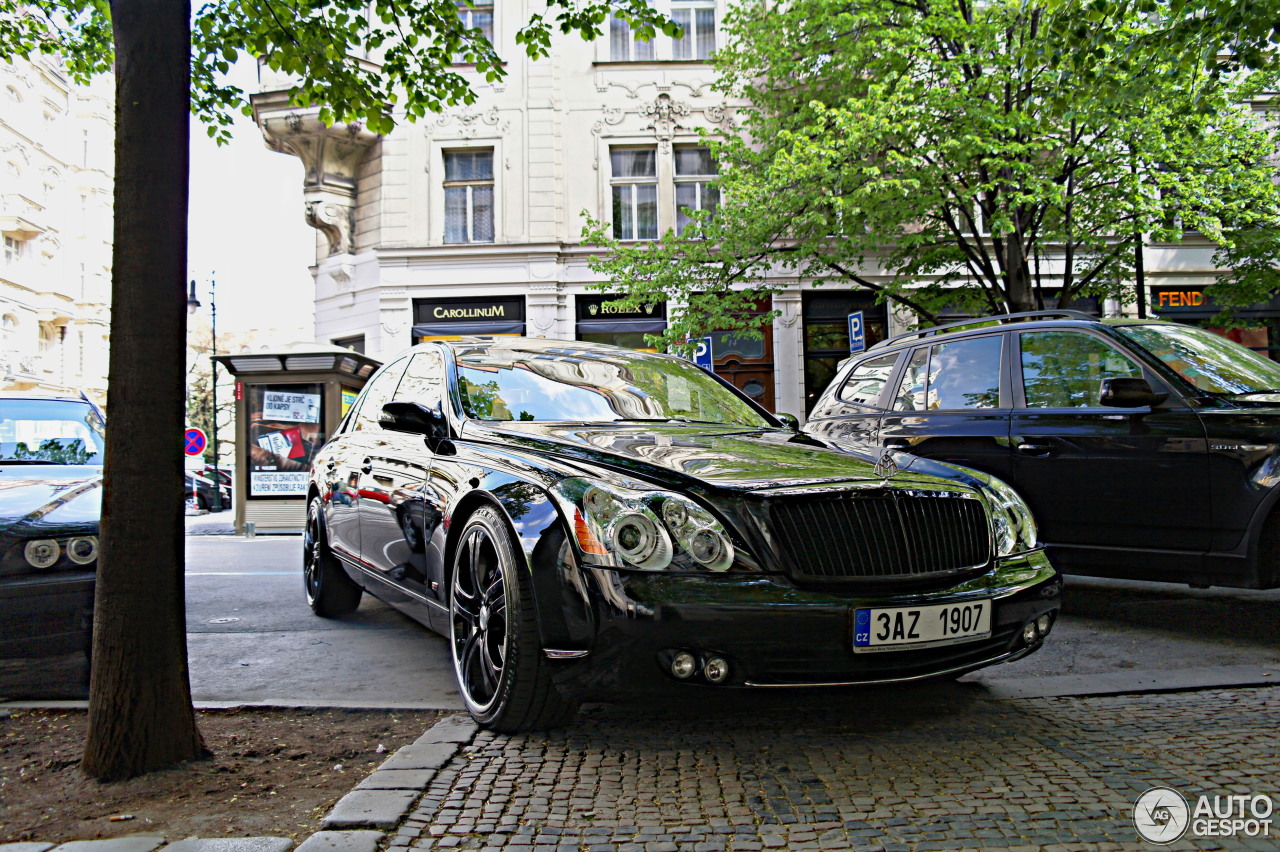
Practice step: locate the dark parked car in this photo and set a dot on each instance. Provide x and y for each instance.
(582, 521)
(50, 502)
(204, 493)
(1147, 450)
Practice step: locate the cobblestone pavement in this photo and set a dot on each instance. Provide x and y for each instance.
(898, 769)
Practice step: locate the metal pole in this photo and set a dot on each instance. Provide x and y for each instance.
(213, 372)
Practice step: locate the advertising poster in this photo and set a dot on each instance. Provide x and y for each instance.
(285, 430)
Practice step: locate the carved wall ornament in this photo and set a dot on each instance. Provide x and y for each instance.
(468, 122)
(665, 114)
(334, 221)
(395, 321)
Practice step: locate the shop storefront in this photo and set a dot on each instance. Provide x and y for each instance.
(1195, 306)
(449, 319)
(826, 333)
(599, 321)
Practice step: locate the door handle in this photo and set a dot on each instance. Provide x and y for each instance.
(1037, 450)
(367, 467)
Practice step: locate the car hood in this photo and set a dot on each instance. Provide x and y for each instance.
(726, 457)
(49, 498)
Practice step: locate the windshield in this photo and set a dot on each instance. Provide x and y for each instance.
(588, 386)
(49, 431)
(1207, 360)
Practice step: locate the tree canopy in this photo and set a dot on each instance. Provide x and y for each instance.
(375, 62)
(933, 152)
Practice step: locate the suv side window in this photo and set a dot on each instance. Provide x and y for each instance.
(376, 394)
(954, 376)
(1064, 369)
(866, 381)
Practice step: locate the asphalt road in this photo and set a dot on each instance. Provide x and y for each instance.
(252, 639)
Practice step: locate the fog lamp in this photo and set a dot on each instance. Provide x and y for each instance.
(683, 665)
(716, 670)
(1043, 623)
(41, 552)
(1030, 633)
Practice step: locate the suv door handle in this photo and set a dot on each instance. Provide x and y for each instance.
(367, 467)
(1038, 450)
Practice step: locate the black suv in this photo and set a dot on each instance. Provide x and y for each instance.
(1147, 450)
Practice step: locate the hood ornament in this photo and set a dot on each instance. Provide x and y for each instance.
(886, 467)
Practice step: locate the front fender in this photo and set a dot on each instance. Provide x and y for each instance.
(565, 618)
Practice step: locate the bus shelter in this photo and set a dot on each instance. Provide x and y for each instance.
(288, 401)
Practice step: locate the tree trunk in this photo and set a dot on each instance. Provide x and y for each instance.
(140, 714)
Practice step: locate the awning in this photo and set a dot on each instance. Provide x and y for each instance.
(466, 329)
(638, 326)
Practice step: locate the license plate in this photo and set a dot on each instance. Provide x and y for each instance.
(903, 628)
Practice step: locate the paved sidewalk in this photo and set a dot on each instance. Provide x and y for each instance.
(887, 769)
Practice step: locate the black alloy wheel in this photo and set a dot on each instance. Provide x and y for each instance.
(502, 673)
(330, 592)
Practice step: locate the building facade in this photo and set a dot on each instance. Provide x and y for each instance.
(469, 222)
(56, 185)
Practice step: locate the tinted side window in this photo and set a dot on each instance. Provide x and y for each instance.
(424, 381)
(1063, 369)
(867, 380)
(376, 394)
(965, 373)
(913, 390)
(958, 375)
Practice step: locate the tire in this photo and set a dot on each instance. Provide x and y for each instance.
(202, 503)
(502, 674)
(330, 592)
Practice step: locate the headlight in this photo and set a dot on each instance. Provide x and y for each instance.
(82, 550)
(41, 552)
(645, 529)
(1011, 520)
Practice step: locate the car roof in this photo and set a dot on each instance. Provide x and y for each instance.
(39, 394)
(979, 325)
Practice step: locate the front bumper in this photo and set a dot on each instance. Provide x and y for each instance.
(46, 615)
(773, 634)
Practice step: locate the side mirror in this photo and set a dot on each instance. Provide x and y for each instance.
(789, 420)
(1128, 393)
(415, 418)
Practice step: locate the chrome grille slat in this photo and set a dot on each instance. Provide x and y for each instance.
(882, 535)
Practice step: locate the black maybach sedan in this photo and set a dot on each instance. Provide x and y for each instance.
(583, 521)
(50, 503)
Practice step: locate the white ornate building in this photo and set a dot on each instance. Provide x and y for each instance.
(56, 184)
(470, 222)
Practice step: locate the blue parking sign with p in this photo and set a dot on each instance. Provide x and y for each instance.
(702, 354)
(857, 332)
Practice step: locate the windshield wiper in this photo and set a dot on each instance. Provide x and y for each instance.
(1250, 392)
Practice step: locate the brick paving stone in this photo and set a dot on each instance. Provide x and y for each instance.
(940, 771)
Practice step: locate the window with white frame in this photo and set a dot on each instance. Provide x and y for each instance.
(695, 168)
(468, 196)
(635, 193)
(624, 46)
(697, 19)
(12, 249)
(476, 15)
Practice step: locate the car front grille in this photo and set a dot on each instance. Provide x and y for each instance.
(884, 535)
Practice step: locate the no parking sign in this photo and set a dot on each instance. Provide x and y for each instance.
(194, 441)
